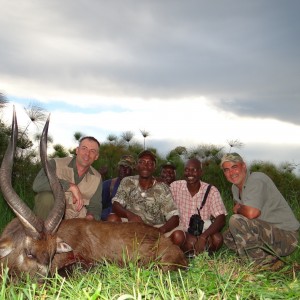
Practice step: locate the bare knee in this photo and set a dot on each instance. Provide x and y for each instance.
(216, 241)
(178, 237)
(189, 243)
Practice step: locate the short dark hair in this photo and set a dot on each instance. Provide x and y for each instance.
(89, 138)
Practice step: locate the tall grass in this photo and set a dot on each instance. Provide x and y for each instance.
(219, 277)
(222, 276)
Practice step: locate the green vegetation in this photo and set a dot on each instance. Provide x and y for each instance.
(219, 277)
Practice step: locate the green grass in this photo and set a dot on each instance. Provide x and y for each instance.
(219, 277)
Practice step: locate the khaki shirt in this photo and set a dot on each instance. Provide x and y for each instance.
(90, 185)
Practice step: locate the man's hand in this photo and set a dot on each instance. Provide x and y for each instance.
(134, 218)
(77, 196)
(236, 207)
(89, 217)
(172, 223)
(200, 245)
(247, 211)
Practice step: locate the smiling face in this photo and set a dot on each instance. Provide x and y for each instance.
(87, 152)
(235, 172)
(168, 175)
(192, 171)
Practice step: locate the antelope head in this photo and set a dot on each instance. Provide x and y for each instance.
(28, 244)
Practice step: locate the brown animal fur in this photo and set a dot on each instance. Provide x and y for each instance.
(97, 241)
(92, 242)
(29, 245)
(24, 254)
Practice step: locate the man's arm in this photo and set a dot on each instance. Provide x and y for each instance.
(94, 209)
(172, 223)
(215, 227)
(247, 211)
(122, 212)
(41, 181)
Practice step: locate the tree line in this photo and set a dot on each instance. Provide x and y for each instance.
(27, 162)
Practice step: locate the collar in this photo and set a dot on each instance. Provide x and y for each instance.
(73, 165)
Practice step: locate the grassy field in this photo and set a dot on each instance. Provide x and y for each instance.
(221, 276)
(218, 277)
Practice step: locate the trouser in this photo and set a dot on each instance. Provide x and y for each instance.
(44, 202)
(256, 239)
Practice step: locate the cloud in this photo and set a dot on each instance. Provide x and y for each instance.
(282, 107)
(189, 73)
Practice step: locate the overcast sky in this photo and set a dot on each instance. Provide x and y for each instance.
(189, 72)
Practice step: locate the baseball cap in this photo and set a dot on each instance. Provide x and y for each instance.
(127, 161)
(147, 152)
(232, 157)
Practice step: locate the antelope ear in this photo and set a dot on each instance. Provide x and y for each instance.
(6, 246)
(62, 247)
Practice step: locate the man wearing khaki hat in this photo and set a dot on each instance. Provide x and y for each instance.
(126, 167)
(263, 226)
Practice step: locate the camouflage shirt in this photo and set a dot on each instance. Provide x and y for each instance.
(155, 205)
